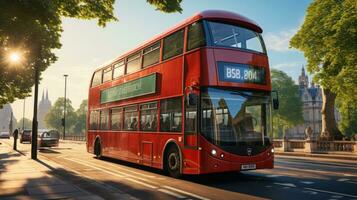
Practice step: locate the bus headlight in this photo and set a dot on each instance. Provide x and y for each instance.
(222, 155)
(214, 152)
(272, 150)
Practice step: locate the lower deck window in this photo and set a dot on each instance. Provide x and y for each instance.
(171, 115)
(131, 118)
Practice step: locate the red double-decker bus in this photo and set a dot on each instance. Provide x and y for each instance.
(194, 100)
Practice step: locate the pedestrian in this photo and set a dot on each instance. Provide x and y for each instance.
(15, 134)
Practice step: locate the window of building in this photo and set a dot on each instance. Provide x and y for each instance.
(171, 115)
(119, 69)
(173, 45)
(196, 37)
(93, 120)
(104, 119)
(151, 55)
(97, 78)
(131, 118)
(117, 119)
(134, 63)
(107, 74)
(148, 117)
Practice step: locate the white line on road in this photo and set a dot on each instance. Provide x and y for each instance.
(184, 192)
(286, 184)
(172, 193)
(141, 183)
(329, 192)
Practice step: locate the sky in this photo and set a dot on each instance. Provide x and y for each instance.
(86, 46)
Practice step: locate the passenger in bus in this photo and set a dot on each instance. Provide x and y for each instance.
(153, 124)
(134, 124)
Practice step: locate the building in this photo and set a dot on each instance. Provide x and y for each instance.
(311, 97)
(5, 116)
(43, 108)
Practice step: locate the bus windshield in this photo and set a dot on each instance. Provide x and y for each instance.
(236, 120)
(233, 36)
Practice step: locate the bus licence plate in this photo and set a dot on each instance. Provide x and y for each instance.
(248, 166)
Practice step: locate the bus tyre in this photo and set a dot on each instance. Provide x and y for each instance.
(97, 150)
(173, 162)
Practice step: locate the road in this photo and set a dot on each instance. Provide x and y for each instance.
(292, 178)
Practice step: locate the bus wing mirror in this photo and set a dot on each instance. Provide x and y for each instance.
(275, 97)
(191, 99)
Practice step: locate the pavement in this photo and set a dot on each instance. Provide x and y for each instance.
(24, 178)
(335, 155)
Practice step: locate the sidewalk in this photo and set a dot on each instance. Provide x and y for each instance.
(24, 178)
(339, 156)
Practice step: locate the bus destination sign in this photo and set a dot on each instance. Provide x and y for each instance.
(241, 73)
(138, 87)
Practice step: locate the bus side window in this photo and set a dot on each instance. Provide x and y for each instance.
(104, 119)
(119, 69)
(93, 120)
(97, 78)
(131, 118)
(148, 117)
(107, 74)
(151, 54)
(191, 113)
(134, 63)
(171, 115)
(173, 45)
(196, 37)
(116, 119)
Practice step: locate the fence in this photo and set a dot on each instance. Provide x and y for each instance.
(311, 146)
(74, 137)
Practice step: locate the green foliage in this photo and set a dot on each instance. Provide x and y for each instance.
(54, 116)
(290, 104)
(348, 111)
(328, 39)
(167, 6)
(27, 124)
(80, 125)
(33, 28)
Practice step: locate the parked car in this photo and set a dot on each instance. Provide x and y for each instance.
(47, 138)
(5, 134)
(25, 136)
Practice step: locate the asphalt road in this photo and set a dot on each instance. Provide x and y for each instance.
(292, 178)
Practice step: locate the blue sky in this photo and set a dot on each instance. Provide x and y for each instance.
(85, 46)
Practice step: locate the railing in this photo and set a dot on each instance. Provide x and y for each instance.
(74, 137)
(311, 146)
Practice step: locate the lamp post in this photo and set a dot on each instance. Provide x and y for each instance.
(34, 119)
(64, 106)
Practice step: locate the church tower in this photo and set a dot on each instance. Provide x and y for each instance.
(303, 79)
(43, 108)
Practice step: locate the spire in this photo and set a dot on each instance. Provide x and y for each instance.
(46, 94)
(302, 70)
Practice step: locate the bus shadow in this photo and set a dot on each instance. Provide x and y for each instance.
(47, 150)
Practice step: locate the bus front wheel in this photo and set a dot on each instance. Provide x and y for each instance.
(97, 149)
(173, 162)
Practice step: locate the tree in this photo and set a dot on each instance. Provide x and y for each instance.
(80, 124)
(348, 111)
(33, 29)
(326, 38)
(27, 124)
(54, 116)
(290, 104)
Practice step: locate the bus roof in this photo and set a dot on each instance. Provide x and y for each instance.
(208, 14)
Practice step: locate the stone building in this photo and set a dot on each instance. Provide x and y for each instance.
(43, 107)
(311, 96)
(5, 116)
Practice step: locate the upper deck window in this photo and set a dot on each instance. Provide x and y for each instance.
(196, 37)
(97, 78)
(173, 45)
(134, 63)
(151, 54)
(233, 36)
(107, 74)
(118, 69)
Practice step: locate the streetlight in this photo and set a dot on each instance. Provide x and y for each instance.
(64, 107)
(34, 119)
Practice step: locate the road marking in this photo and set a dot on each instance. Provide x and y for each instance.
(343, 179)
(329, 192)
(172, 193)
(286, 184)
(307, 182)
(184, 192)
(141, 183)
(273, 175)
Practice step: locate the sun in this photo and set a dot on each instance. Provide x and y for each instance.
(15, 57)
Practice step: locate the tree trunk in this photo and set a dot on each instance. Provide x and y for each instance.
(329, 126)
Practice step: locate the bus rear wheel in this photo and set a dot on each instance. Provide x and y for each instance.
(97, 149)
(173, 162)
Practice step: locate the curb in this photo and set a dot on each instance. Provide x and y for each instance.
(319, 155)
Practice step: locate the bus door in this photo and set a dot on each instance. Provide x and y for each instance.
(191, 122)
